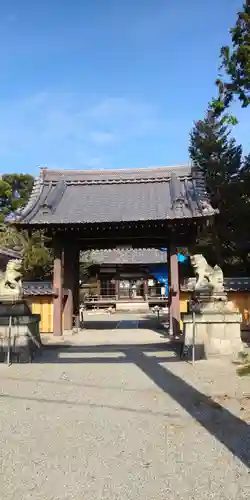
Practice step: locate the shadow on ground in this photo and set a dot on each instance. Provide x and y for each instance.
(226, 427)
(111, 323)
(149, 322)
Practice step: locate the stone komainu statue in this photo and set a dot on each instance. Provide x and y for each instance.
(207, 277)
(10, 281)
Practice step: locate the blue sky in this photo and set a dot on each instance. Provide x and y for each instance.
(107, 83)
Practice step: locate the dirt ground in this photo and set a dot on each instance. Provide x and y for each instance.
(112, 413)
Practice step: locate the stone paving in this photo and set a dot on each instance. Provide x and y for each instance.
(117, 416)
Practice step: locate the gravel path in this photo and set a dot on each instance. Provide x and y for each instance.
(125, 420)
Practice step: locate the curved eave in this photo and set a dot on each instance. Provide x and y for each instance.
(167, 222)
(9, 254)
(73, 200)
(34, 201)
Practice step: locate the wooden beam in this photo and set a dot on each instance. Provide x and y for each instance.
(76, 295)
(145, 288)
(117, 288)
(69, 284)
(98, 285)
(58, 289)
(173, 291)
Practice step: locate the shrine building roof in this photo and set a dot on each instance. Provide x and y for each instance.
(62, 197)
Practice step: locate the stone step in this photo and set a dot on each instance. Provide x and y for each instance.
(132, 306)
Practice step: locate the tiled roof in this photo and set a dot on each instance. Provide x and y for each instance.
(126, 256)
(35, 288)
(9, 254)
(76, 197)
(231, 284)
(240, 284)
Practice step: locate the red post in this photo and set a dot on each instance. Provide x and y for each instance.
(174, 291)
(58, 289)
(76, 276)
(69, 263)
(98, 286)
(117, 288)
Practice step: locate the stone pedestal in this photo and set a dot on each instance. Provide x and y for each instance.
(24, 337)
(216, 334)
(217, 328)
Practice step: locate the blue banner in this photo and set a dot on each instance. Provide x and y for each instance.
(161, 273)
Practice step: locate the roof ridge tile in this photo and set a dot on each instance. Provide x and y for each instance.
(153, 194)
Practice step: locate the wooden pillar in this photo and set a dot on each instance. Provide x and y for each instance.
(98, 286)
(57, 289)
(117, 288)
(69, 263)
(173, 291)
(76, 275)
(145, 288)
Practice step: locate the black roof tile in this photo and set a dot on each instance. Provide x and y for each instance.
(75, 197)
(126, 256)
(36, 288)
(9, 254)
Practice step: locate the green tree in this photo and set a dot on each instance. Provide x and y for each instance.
(5, 195)
(226, 172)
(86, 264)
(235, 65)
(36, 254)
(242, 231)
(15, 190)
(21, 187)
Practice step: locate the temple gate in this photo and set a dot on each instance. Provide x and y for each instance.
(142, 208)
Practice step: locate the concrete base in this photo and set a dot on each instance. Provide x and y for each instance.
(216, 333)
(24, 338)
(132, 306)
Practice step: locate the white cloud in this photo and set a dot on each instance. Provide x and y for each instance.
(66, 130)
(126, 117)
